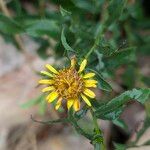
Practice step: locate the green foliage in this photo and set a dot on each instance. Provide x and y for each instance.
(112, 109)
(111, 35)
(8, 25)
(43, 27)
(102, 84)
(119, 146)
(64, 42)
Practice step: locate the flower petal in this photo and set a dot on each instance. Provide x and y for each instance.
(89, 75)
(90, 81)
(82, 66)
(52, 96)
(50, 88)
(70, 103)
(89, 93)
(86, 100)
(90, 85)
(46, 73)
(58, 104)
(52, 69)
(76, 105)
(46, 81)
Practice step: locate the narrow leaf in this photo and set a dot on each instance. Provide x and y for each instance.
(64, 42)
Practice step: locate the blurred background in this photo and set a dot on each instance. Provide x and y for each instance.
(30, 32)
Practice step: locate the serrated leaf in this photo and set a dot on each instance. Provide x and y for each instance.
(140, 95)
(112, 115)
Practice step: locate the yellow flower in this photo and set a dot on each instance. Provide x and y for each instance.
(69, 84)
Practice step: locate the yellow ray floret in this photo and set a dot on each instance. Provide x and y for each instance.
(86, 100)
(76, 105)
(46, 73)
(49, 88)
(90, 85)
(89, 75)
(70, 103)
(52, 96)
(89, 93)
(90, 81)
(58, 104)
(82, 66)
(46, 81)
(52, 69)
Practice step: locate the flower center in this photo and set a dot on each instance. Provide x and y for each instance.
(68, 83)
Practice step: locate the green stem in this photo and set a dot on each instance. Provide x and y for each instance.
(80, 130)
(97, 40)
(90, 51)
(74, 123)
(98, 143)
(97, 130)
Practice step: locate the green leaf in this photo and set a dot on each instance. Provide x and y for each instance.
(33, 102)
(119, 146)
(115, 9)
(140, 95)
(124, 56)
(85, 5)
(42, 50)
(42, 107)
(105, 47)
(146, 80)
(102, 84)
(100, 64)
(112, 115)
(43, 27)
(64, 12)
(17, 7)
(9, 26)
(120, 123)
(64, 42)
